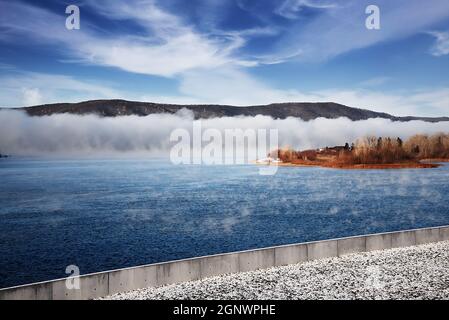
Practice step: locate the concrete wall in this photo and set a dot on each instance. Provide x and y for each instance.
(122, 280)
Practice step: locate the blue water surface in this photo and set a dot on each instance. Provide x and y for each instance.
(106, 214)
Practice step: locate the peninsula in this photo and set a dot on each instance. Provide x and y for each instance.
(420, 151)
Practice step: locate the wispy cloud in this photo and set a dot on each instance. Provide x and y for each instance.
(218, 86)
(233, 86)
(6, 66)
(441, 46)
(374, 82)
(168, 46)
(343, 29)
(210, 64)
(31, 88)
(31, 96)
(291, 9)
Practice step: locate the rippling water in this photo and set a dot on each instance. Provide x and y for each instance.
(105, 214)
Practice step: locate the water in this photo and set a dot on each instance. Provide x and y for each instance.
(106, 214)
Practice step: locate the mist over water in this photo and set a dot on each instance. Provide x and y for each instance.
(90, 135)
(108, 214)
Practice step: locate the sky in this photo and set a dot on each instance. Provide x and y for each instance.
(239, 52)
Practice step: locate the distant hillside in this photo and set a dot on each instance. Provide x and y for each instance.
(305, 111)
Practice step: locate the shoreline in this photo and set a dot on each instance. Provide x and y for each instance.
(435, 160)
(422, 164)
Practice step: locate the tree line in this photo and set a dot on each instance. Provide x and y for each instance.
(375, 150)
(383, 150)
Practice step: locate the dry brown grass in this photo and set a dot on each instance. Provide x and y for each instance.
(374, 153)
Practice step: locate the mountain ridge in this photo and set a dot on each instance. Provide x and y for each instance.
(304, 110)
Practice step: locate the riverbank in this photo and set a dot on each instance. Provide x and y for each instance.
(405, 165)
(434, 160)
(419, 272)
(417, 152)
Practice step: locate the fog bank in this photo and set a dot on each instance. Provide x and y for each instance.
(90, 135)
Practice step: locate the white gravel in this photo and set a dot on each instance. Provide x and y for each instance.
(420, 272)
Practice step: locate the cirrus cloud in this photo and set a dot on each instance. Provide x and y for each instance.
(441, 46)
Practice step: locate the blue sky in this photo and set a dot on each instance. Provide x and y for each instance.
(240, 52)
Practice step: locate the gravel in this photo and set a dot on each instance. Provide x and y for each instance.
(420, 272)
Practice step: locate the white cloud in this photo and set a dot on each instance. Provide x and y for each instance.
(441, 47)
(205, 63)
(232, 86)
(433, 102)
(31, 96)
(374, 82)
(167, 47)
(20, 89)
(229, 86)
(290, 9)
(342, 29)
(178, 55)
(6, 66)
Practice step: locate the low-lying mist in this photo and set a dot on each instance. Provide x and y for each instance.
(90, 135)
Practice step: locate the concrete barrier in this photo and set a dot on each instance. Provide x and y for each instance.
(290, 254)
(351, 245)
(110, 282)
(256, 259)
(322, 249)
(444, 233)
(378, 242)
(219, 264)
(427, 236)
